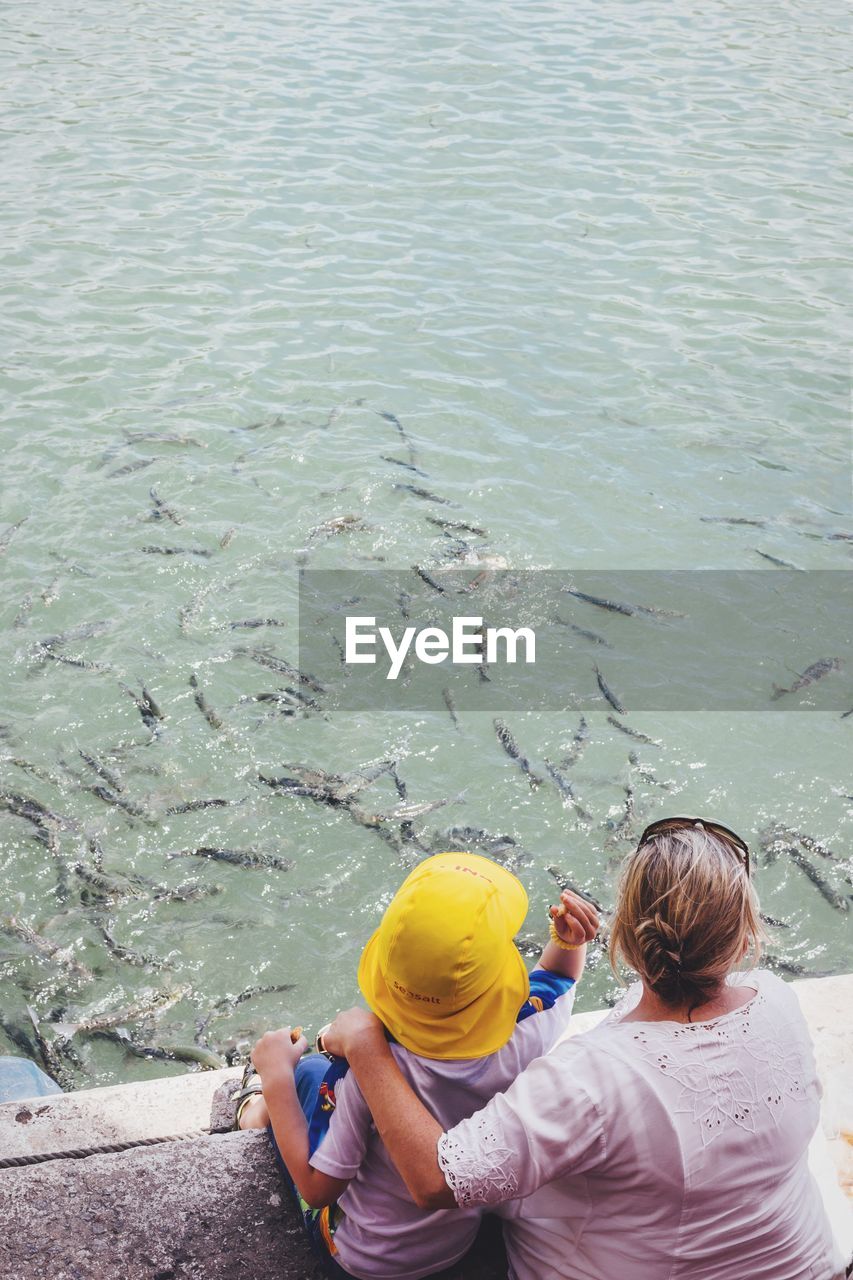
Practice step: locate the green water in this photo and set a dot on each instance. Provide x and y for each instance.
(594, 259)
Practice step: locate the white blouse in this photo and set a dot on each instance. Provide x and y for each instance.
(657, 1151)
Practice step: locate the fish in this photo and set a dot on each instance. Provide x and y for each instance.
(214, 720)
(617, 606)
(397, 424)
(458, 526)
(238, 858)
(64, 956)
(51, 592)
(410, 466)
(84, 631)
(564, 882)
(281, 666)
(35, 812)
(646, 774)
(633, 733)
(163, 510)
(782, 564)
(112, 779)
(129, 468)
(139, 959)
(426, 494)
(841, 902)
(609, 694)
(189, 891)
(774, 923)
(146, 706)
(577, 745)
(513, 750)
(9, 532)
(845, 714)
(451, 706)
(162, 437)
(82, 663)
(621, 830)
(402, 812)
(429, 580)
(566, 790)
(582, 631)
(747, 520)
(191, 806)
(152, 550)
(190, 1053)
(114, 887)
(337, 524)
(149, 1005)
(50, 1048)
(248, 624)
(817, 670)
(227, 538)
(24, 611)
(118, 801)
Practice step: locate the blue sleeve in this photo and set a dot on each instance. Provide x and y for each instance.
(546, 988)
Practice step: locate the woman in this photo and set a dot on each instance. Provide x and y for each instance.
(669, 1142)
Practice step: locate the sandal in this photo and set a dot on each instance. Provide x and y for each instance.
(250, 1087)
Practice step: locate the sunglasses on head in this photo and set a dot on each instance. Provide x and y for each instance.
(664, 826)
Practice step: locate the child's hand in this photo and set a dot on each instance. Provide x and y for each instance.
(349, 1026)
(575, 919)
(276, 1051)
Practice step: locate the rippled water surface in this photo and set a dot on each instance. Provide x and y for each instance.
(592, 257)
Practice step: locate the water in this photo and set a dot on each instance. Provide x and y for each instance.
(593, 258)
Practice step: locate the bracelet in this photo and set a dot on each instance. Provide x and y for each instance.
(559, 942)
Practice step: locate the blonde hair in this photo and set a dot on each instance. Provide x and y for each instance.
(686, 915)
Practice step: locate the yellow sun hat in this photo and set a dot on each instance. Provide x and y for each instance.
(442, 971)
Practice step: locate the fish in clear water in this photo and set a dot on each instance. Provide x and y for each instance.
(83, 631)
(9, 532)
(735, 520)
(227, 538)
(618, 606)
(405, 812)
(451, 706)
(64, 956)
(782, 564)
(141, 960)
(146, 706)
(110, 776)
(593, 636)
(213, 719)
(279, 665)
(609, 694)
(249, 624)
(50, 1046)
(190, 891)
(774, 923)
(162, 510)
(107, 887)
(162, 437)
(151, 550)
(841, 902)
(337, 524)
(192, 806)
(426, 494)
(458, 526)
(24, 611)
(647, 774)
(237, 858)
(119, 801)
(563, 882)
(817, 671)
(130, 467)
(429, 579)
(566, 790)
(189, 1053)
(514, 752)
(147, 1006)
(409, 466)
(577, 746)
(398, 426)
(633, 733)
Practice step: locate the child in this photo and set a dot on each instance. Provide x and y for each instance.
(444, 976)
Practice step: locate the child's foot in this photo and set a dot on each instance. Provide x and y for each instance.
(251, 1110)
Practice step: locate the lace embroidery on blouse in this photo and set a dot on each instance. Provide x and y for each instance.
(719, 1089)
(479, 1169)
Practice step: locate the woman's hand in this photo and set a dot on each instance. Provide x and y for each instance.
(575, 919)
(351, 1027)
(277, 1051)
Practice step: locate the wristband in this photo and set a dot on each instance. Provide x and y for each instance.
(559, 942)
